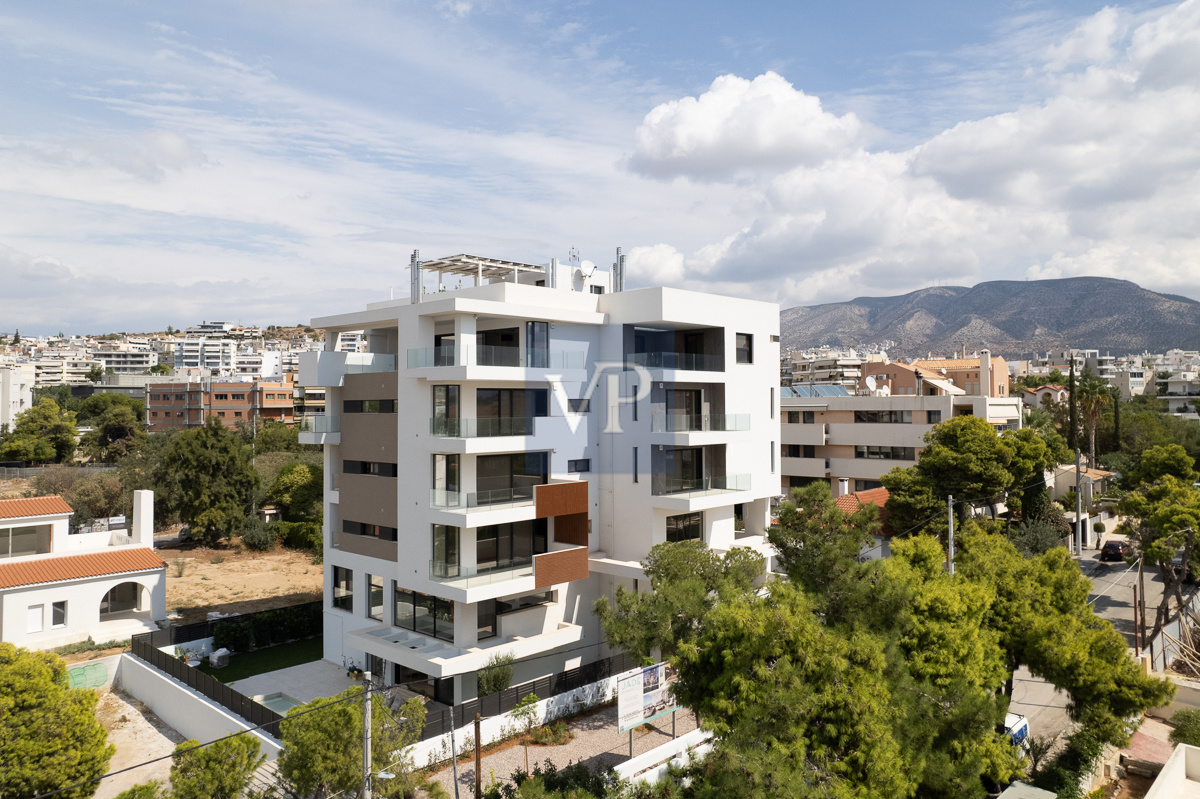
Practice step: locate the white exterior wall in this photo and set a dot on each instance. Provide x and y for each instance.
(16, 391)
(83, 607)
(626, 520)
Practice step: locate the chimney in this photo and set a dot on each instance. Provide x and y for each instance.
(142, 527)
(985, 373)
(843, 487)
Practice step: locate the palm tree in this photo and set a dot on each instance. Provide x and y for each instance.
(1093, 396)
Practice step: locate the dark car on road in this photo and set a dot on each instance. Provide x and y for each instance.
(1114, 550)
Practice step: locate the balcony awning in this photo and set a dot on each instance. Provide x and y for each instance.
(478, 266)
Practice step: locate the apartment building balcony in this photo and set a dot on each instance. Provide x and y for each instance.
(443, 659)
(317, 428)
(696, 493)
(467, 501)
(697, 423)
(454, 362)
(318, 369)
(813, 435)
(805, 467)
(482, 428)
(662, 363)
(509, 576)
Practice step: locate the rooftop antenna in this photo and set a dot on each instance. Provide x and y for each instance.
(573, 257)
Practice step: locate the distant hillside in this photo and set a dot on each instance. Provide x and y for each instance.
(1007, 316)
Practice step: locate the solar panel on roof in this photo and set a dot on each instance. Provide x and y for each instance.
(808, 391)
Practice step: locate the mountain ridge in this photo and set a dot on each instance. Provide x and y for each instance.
(1009, 317)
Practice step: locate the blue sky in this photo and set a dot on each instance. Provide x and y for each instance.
(268, 162)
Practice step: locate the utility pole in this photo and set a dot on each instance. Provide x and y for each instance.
(1142, 591)
(453, 755)
(950, 549)
(1137, 639)
(1078, 509)
(366, 791)
(478, 761)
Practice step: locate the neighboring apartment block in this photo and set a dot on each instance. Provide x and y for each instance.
(851, 441)
(173, 406)
(505, 453)
(16, 391)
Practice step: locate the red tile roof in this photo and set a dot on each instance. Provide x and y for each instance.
(33, 506)
(849, 503)
(123, 560)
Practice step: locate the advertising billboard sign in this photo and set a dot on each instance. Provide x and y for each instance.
(644, 694)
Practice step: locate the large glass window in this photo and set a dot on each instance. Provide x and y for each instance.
(445, 410)
(445, 550)
(537, 344)
(368, 406)
(509, 411)
(375, 597)
(809, 416)
(745, 348)
(369, 467)
(685, 527)
(883, 417)
(502, 546)
(343, 589)
(886, 453)
(379, 531)
(933, 417)
(498, 347)
(17, 541)
(425, 614)
(486, 621)
(58, 614)
(445, 480)
(505, 478)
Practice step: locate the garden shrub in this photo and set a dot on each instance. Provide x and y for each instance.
(300, 535)
(258, 536)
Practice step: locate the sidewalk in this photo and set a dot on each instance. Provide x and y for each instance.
(596, 741)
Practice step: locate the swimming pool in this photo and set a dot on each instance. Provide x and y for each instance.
(280, 702)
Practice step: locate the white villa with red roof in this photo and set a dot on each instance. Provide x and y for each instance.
(59, 587)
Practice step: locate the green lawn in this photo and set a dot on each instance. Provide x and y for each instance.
(260, 661)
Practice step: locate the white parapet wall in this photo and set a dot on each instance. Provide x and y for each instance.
(652, 766)
(189, 712)
(497, 728)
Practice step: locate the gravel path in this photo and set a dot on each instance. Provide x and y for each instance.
(596, 741)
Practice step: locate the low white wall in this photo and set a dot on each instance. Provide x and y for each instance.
(201, 646)
(187, 711)
(496, 728)
(652, 766)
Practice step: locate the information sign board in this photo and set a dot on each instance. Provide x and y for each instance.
(644, 694)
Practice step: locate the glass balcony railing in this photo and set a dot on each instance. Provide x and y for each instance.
(496, 356)
(688, 361)
(689, 423)
(665, 484)
(498, 498)
(422, 357)
(472, 576)
(363, 362)
(481, 428)
(320, 423)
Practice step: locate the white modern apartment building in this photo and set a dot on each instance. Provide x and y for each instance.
(202, 352)
(853, 440)
(505, 453)
(126, 361)
(16, 391)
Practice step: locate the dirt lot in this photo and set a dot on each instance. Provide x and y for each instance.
(139, 735)
(236, 580)
(15, 488)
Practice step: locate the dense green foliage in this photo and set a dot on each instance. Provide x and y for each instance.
(1186, 724)
(268, 627)
(49, 734)
(496, 675)
(206, 476)
(879, 678)
(93, 494)
(43, 434)
(322, 750)
(1163, 520)
(220, 770)
(298, 493)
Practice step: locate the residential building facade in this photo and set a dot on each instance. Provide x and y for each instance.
(178, 405)
(505, 453)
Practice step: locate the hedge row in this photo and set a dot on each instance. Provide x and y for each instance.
(267, 628)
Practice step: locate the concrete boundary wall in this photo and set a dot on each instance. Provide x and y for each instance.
(184, 709)
(652, 766)
(435, 750)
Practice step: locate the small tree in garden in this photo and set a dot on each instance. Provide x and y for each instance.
(496, 675)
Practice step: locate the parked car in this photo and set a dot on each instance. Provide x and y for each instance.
(1115, 550)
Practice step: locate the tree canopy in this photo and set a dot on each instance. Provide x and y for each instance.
(322, 750)
(220, 770)
(49, 734)
(207, 477)
(43, 433)
(298, 492)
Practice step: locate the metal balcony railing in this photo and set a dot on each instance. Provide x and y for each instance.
(687, 361)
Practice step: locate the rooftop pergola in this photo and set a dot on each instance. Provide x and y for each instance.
(478, 267)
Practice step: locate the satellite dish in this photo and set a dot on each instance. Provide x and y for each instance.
(870, 382)
(885, 392)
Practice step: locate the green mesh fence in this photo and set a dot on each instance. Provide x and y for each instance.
(93, 675)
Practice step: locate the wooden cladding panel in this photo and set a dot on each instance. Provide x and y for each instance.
(560, 499)
(571, 529)
(563, 566)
